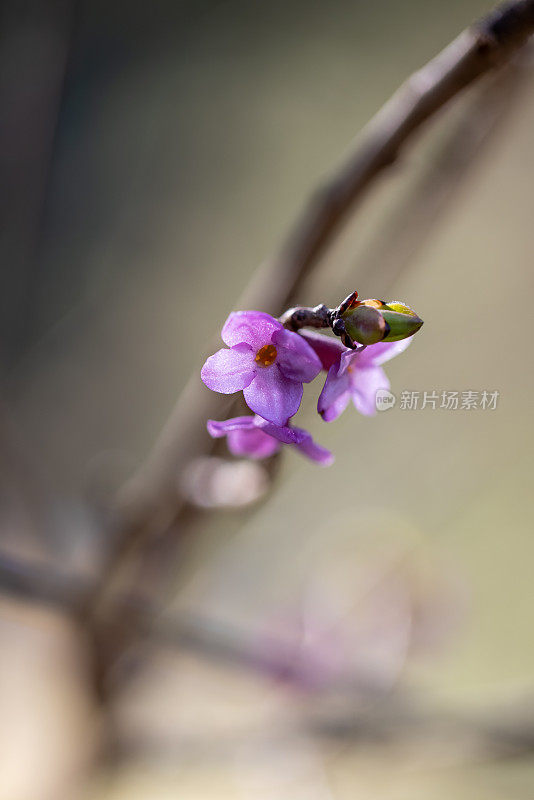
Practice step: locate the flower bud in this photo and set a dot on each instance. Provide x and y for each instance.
(372, 321)
(365, 324)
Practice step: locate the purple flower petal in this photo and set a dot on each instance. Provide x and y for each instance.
(327, 348)
(253, 327)
(300, 438)
(335, 395)
(314, 451)
(283, 433)
(336, 408)
(296, 359)
(256, 438)
(229, 371)
(348, 358)
(376, 354)
(217, 428)
(273, 396)
(252, 443)
(364, 385)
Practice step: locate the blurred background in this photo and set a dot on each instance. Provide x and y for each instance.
(367, 630)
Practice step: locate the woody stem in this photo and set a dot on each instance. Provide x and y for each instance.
(306, 317)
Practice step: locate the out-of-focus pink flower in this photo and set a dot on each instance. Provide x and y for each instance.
(257, 438)
(264, 360)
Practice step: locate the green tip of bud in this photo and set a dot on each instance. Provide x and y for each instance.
(373, 321)
(402, 320)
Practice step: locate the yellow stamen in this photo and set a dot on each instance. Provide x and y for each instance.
(266, 355)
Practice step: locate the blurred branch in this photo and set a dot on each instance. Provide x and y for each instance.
(393, 721)
(408, 227)
(498, 732)
(27, 565)
(28, 581)
(383, 720)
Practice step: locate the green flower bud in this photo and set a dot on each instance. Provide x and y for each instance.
(365, 325)
(372, 321)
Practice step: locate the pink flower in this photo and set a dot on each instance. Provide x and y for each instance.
(357, 376)
(256, 438)
(264, 360)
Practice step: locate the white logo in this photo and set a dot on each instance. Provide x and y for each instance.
(384, 400)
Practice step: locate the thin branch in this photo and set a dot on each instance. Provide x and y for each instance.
(304, 317)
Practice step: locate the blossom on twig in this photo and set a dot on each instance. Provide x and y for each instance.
(270, 363)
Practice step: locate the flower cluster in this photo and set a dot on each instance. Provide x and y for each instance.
(270, 364)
